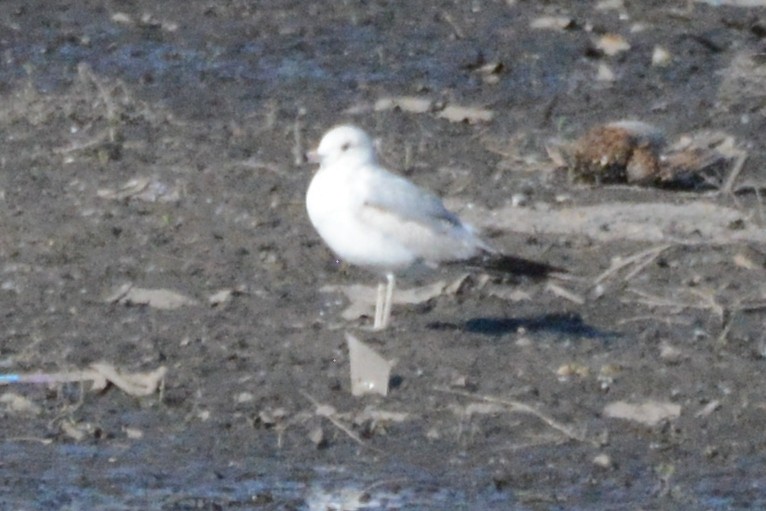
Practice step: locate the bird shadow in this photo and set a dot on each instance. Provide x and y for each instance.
(568, 324)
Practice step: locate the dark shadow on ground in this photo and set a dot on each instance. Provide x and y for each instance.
(564, 324)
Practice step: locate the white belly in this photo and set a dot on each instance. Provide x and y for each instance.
(336, 218)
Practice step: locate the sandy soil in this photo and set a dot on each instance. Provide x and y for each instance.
(158, 146)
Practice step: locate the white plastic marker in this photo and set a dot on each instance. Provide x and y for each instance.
(381, 221)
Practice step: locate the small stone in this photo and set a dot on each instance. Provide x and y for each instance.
(670, 354)
(603, 460)
(519, 200)
(317, 437)
(245, 397)
(523, 342)
(660, 57)
(433, 434)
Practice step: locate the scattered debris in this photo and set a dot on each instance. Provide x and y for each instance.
(607, 373)
(244, 397)
(617, 152)
(133, 433)
(317, 437)
(424, 105)
(410, 104)
(490, 72)
(163, 299)
(372, 421)
(471, 115)
(649, 412)
(370, 372)
(564, 293)
(635, 152)
(604, 73)
(743, 83)
(518, 406)
(144, 189)
(474, 408)
(329, 412)
(17, 404)
(743, 261)
(552, 23)
(612, 44)
(145, 21)
(661, 57)
(100, 374)
(76, 431)
(271, 417)
(639, 260)
(692, 222)
(709, 408)
(572, 369)
(374, 414)
(225, 295)
(670, 354)
(700, 299)
(603, 461)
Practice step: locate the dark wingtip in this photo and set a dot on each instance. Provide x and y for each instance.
(513, 265)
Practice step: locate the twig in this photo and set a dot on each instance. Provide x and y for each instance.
(645, 257)
(654, 317)
(455, 28)
(709, 299)
(564, 293)
(725, 331)
(44, 441)
(524, 408)
(658, 301)
(708, 302)
(736, 169)
(96, 141)
(760, 205)
(111, 110)
(338, 424)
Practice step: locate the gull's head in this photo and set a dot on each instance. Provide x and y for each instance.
(347, 144)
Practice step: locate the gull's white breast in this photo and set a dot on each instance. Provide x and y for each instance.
(335, 202)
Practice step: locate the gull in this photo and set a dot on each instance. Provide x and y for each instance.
(380, 221)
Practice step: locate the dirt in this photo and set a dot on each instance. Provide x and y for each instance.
(158, 145)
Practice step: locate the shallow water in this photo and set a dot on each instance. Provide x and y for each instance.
(69, 476)
(66, 476)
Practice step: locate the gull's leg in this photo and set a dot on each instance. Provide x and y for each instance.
(389, 299)
(379, 306)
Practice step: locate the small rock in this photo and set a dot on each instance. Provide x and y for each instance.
(670, 354)
(603, 460)
(660, 57)
(612, 44)
(245, 397)
(519, 200)
(708, 408)
(317, 437)
(566, 371)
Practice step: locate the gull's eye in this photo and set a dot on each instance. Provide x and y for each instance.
(345, 147)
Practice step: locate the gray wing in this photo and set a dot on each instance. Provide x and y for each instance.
(417, 219)
(402, 198)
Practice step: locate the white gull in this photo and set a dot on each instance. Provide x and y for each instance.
(380, 221)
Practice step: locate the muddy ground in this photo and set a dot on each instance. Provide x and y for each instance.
(158, 145)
